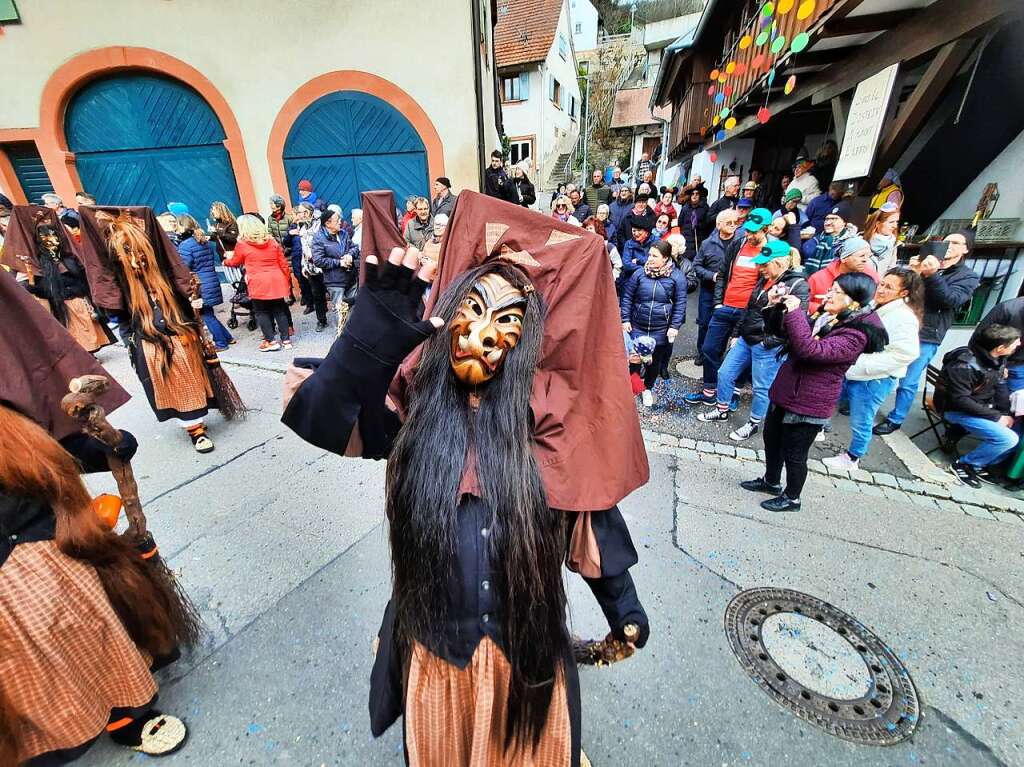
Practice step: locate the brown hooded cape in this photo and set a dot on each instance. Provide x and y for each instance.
(587, 437)
(38, 358)
(103, 272)
(20, 240)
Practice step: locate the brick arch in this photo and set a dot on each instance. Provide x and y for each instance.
(349, 80)
(73, 74)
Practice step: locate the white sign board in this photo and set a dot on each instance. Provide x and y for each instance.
(864, 124)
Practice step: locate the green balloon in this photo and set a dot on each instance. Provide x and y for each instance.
(800, 42)
(779, 44)
(762, 38)
(724, 113)
(769, 9)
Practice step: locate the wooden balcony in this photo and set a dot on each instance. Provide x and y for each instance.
(691, 117)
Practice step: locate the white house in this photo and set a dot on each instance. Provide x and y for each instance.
(585, 23)
(537, 81)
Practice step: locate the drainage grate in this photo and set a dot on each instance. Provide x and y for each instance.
(823, 665)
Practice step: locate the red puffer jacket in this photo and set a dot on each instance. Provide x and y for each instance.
(266, 271)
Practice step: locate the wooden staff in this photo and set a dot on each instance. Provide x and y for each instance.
(80, 404)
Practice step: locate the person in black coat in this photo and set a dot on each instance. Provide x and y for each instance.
(693, 222)
(1009, 313)
(714, 253)
(728, 200)
(972, 393)
(199, 254)
(522, 190)
(496, 181)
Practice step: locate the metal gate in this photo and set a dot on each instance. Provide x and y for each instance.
(349, 142)
(142, 139)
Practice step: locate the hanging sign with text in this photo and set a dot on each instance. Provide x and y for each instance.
(864, 125)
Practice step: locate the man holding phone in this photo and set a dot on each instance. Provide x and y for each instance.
(949, 285)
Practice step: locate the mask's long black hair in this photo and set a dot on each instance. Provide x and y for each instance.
(50, 264)
(527, 539)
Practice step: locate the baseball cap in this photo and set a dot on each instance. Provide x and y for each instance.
(744, 202)
(757, 219)
(177, 208)
(772, 249)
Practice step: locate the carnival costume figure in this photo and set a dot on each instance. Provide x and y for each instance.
(510, 437)
(39, 249)
(84, 618)
(136, 274)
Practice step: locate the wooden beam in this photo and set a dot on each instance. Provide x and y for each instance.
(822, 58)
(866, 24)
(929, 28)
(922, 101)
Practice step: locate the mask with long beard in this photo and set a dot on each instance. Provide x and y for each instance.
(486, 327)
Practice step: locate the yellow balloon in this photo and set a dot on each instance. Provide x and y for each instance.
(806, 9)
(716, 120)
(784, 7)
(723, 77)
(730, 123)
(746, 41)
(730, 67)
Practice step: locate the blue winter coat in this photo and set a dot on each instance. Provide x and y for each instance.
(652, 305)
(327, 252)
(634, 256)
(202, 259)
(816, 211)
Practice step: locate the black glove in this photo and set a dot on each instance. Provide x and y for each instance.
(351, 384)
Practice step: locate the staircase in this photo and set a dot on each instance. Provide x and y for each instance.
(560, 173)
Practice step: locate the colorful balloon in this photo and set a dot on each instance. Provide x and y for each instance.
(728, 90)
(730, 67)
(714, 74)
(763, 115)
(799, 42)
(745, 42)
(779, 44)
(715, 120)
(740, 68)
(720, 136)
(757, 61)
(769, 8)
(790, 85)
(730, 123)
(719, 97)
(784, 7)
(762, 37)
(711, 90)
(806, 9)
(713, 156)
(723, 77)
(725, 113)
(771, 77)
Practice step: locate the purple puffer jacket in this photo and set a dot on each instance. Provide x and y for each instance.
(811, 378)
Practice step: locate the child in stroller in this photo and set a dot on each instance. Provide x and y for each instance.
(241, 304)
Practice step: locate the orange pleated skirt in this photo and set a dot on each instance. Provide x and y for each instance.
(66, 660)
(456, 717)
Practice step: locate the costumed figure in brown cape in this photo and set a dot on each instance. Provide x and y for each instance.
(510, 435)
(84, 618)
(39, 249)
(135, 273)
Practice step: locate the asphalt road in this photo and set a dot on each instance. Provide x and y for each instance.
(284, 549)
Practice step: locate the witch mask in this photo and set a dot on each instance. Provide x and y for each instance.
(47, 238)
(485, 329)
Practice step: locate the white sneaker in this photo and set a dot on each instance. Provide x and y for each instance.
(841, 461)
(713, 415)
(647, 398)
(746, 431)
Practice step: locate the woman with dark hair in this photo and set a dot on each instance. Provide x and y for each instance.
(474, 650)
(595, 225)
(821, 349)
(873, 377)
(654, 304)
(225, 228)
(521, 188)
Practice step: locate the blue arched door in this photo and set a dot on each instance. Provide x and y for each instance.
(142, 139)
(349, 142)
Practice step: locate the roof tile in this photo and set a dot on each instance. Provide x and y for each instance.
(632, 108)
(525, 30)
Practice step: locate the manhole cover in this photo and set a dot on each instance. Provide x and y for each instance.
(823, 665)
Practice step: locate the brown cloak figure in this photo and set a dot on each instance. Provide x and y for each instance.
(135, 274)
(83, 617)
(38, 247)
(511, 435)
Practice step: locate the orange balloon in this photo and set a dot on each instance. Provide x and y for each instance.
(714, 74)
(746, 41)
(723, 77)
(740, 68)
(108, 508)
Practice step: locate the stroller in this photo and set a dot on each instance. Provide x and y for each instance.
(241, 304)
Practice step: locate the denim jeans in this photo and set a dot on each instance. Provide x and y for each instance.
(764, 365)
(907, 388)
(1015, 377)
(997, 441)
(221, 335)
(705, 307)
(719, 330)
(865, 398)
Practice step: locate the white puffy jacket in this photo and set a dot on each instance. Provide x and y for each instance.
(903, 348)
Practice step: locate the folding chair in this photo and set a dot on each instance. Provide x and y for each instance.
(951, 433)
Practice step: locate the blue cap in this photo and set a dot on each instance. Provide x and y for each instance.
(177, 208)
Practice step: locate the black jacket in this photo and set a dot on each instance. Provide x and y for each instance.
(725, 272)
(722, 203)
(1007, 313)
(946, 292)
(710, 260)
(522, 192)
(972, 382)
(693, 223)
(497, 184)
(751, 327)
